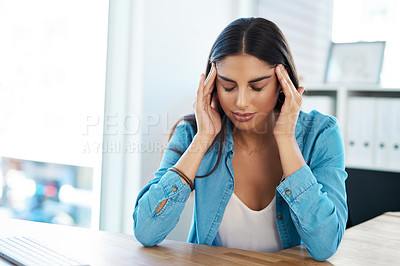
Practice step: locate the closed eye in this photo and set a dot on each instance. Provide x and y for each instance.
(252, 87)
(256, 89)
(229, 89)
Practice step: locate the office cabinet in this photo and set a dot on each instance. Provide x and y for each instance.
(370, 121)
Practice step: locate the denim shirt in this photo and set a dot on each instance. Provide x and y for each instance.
(311, 204)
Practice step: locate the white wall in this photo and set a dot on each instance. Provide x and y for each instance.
(370, 20)
(178, 37)
(156, 52)
(307, 24)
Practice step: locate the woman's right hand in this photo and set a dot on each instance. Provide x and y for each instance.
(206, 109)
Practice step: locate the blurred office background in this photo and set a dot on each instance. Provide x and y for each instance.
(89, 90)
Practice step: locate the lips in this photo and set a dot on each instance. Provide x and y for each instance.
(243, 117)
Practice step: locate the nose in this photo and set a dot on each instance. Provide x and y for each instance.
(242, 100)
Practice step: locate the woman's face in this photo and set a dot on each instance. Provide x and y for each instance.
(247, 91)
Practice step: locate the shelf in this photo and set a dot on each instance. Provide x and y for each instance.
(342, 96)
(374, 168)
(373, 89)
(367, 88)
(323, 87)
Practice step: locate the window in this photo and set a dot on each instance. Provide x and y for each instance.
(52, 79)
(370, 20)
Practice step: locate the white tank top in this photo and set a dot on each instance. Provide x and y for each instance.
(243, 228)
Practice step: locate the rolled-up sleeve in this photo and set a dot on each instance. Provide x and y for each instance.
(151, 228)
(316, 195)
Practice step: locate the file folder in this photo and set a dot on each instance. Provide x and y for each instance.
(394, 128)
(382, 132)
(360, 131)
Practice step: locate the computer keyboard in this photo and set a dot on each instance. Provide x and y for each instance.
(26, 251)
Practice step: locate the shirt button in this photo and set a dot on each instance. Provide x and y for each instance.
(288, 192)
(174, 188)
(279, 217)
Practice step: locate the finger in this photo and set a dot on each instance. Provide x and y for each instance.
(201, 87)
(279, 75)
(209, 73)
(209, 87)
(209, 83)
(287, 78)
(209, 93)
(283, 81)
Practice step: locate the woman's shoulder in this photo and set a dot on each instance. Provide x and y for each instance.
(186, 129)
(314, 123)
(316, 118)
(320, 139)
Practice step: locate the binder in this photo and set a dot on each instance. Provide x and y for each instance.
(366, 132)
(394, 139)
(382, 132)
(352, 124)
(360, 131)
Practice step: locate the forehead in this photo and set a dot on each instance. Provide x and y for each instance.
(245, 64)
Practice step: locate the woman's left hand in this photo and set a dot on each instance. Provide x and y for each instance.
(286, 122)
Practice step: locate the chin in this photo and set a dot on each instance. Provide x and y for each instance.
(256, 125)
(248, 126)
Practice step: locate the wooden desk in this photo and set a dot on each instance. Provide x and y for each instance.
(376, 242)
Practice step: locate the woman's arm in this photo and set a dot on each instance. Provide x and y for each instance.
(285, 125)
(161, 202)
(315, 194)
(190, 161)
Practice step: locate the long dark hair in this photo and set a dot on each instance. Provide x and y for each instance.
(258, 37)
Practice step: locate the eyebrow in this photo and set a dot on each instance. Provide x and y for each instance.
(251, 81)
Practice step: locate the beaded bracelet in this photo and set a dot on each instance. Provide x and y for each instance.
(183, 176)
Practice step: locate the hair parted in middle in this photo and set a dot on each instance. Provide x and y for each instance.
(258, 37)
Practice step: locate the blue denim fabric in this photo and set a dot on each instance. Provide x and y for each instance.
(314, 213)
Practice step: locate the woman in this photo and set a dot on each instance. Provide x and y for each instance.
(267, 176)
